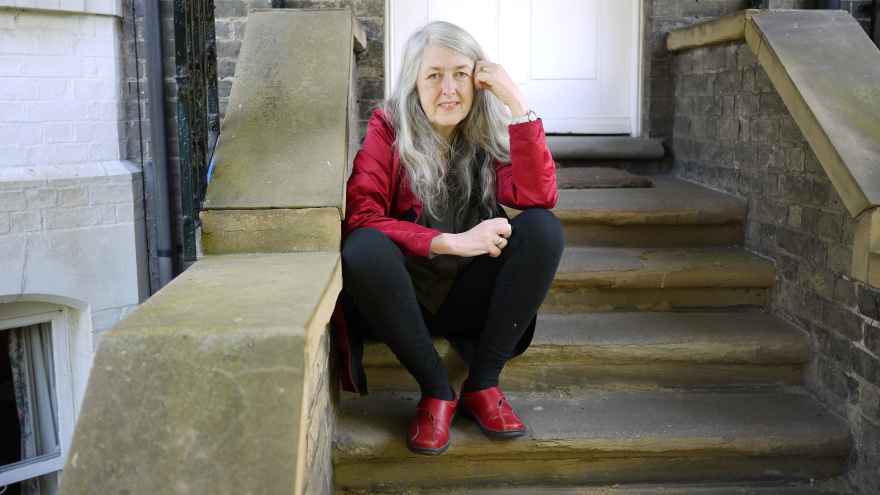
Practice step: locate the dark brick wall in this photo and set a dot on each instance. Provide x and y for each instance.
(231, 22)
(733, 133)
(661, 17)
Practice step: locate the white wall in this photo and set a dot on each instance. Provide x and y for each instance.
(71, 215)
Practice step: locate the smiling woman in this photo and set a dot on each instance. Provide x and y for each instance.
(427, 248)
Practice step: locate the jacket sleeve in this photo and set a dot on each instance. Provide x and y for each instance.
(370, 192)
(529, 180)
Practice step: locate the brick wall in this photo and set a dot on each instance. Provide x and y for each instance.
(733, 133)
(70, 209)
(59, 89)
(661, 17)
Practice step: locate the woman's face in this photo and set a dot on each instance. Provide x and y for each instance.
(446, 87)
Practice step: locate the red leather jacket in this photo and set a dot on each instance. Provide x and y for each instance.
(378, 196)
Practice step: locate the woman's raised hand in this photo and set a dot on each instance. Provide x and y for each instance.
(494, 78)
(487, 237)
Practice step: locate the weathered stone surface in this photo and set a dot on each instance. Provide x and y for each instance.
(601, 437)
(804, 53)
(725, 29)
(621, 268)
(672, 213)
(631, 350)
(670, 202)
(285, 134)
(657, 279)
(598, 178)
(206, 375)
(270, 231)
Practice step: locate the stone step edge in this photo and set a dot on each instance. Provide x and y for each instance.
(821, 440)
(569, 147)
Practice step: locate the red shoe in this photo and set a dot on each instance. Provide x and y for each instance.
(492, 412)
(429, 430)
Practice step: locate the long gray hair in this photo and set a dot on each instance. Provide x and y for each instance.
(478, 139)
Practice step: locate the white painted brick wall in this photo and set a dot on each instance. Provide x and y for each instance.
(60, 95)
(102, 7)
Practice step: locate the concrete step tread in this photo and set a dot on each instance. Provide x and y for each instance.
(610, 424)
(745, 337)
(657, 268)
(670, 202)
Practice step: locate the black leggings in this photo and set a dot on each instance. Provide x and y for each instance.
(492, 298)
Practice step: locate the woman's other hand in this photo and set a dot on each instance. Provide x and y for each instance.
(494, 78)
(487, 237)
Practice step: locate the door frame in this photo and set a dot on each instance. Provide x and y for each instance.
(637, 83)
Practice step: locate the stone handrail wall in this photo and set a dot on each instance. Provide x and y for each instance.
(804, 54)
(220, 382)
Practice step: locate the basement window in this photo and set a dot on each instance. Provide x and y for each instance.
(36, 397)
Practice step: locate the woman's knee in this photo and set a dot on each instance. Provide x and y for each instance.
(541, 229)
(367, 249)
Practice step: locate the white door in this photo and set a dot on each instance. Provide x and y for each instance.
(576, 61)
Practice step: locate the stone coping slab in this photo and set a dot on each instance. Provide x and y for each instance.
(271, 231)
(206, 375)
(284, 139)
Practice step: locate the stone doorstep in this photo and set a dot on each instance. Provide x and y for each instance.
(564, 147)
(631, 350)
(602, 437)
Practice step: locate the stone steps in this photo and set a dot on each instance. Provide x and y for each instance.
(632, 350)
(651, 370)
(672, 213)
(795, 488)
(609, 278)
(599, 437)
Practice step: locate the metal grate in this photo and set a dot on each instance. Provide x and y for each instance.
(195, 56)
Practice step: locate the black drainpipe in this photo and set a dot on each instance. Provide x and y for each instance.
(158, 179)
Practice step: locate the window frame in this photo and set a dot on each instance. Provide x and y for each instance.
(64, 394)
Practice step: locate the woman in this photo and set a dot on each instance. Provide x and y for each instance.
(427, 249)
